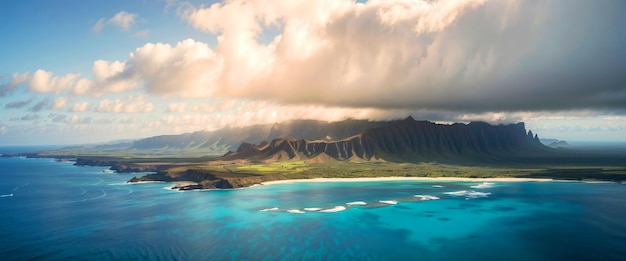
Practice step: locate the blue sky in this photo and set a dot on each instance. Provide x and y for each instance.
(93, 71)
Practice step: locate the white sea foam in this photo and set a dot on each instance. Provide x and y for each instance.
(295, 211)
(483, 185)
(312, 209)
(457, 193)
(335, 209)
(356, 203)
(104, 194)
(134, 183)
(437, 186)
(6, 195)
(389, 202)
(475, 194)
(426, 197)
(469, 194)
(269, 209)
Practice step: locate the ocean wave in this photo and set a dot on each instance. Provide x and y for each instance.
(437, 186)
(312, 209)
(269, 209)
(426, 197)
(19, 187)
(468, 194)
(104, 194)
(483, 185)
(100, 180)
(134, 183)
(335, 209)
(388, 202)
(6, 195)
(356, 203)
(295, 211)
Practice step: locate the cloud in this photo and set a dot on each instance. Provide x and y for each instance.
(80, 107)
(469, 55)
(18, 104)
(131, 104)
(100, 24)
(41, 105)
(122, 19)
(59, 103)
(180, 107)
(29, 117)
(15, 81)
(110, 77)
(44, 82)
(443, 60)
(216, 106)
(189, 69)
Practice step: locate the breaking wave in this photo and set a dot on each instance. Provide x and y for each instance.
(468, 194)
(483, 185)
(335, 209)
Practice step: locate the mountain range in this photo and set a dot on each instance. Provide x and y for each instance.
(313, 141)
(407, 140)
(219, 142)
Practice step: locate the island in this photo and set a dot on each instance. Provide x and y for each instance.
(237, 158)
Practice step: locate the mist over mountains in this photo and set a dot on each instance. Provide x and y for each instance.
(221, 141)
(313, 141)
(404, 141)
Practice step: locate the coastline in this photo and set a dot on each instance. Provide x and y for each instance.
(321, 180)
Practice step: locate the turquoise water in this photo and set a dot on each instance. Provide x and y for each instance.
(56, 211)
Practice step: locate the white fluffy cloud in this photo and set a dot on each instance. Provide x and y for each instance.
(188, 69)
(44, 82)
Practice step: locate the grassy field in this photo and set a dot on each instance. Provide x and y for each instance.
(302, 170)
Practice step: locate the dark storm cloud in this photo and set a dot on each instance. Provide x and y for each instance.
(467, 56)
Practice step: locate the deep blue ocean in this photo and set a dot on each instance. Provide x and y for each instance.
(53, 210)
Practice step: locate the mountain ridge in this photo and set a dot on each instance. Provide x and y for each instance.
(406, 140)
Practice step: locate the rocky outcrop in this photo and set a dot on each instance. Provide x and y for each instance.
(207, 179)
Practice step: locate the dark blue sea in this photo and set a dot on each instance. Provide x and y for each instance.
(53, 210)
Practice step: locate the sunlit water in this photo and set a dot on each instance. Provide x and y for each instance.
(54, 210)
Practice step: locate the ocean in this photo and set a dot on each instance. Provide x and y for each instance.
(53, 210)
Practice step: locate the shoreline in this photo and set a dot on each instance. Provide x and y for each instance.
(181, 185)
(449, 179)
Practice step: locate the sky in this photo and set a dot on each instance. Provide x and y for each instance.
(74, 71)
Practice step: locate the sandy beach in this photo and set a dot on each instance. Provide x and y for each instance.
(185, 183)
(288, 181)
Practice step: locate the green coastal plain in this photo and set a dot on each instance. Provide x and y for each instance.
(209, 174)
